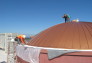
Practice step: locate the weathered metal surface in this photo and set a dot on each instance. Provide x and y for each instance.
(78, 57)
(66, 59)
(19, 60)
(72, 35)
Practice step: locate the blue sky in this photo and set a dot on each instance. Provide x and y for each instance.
(34, 16)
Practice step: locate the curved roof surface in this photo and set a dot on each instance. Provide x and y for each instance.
(72, 35)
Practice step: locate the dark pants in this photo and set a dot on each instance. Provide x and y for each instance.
(67, 20)
(18, 40)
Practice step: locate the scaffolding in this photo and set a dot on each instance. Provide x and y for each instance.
(5, 38)
(11, 53)
(8, 45)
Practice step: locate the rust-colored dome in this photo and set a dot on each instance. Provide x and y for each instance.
(72, 35)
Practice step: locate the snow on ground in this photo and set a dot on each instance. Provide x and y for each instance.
(3, 56)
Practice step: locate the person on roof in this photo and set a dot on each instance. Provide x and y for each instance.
(66, 17)
(20, 39)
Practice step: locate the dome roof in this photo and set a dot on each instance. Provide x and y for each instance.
(72, 35)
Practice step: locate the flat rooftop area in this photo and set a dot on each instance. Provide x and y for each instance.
(3, 56)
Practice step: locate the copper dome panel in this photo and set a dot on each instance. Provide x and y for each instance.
(72, 35)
